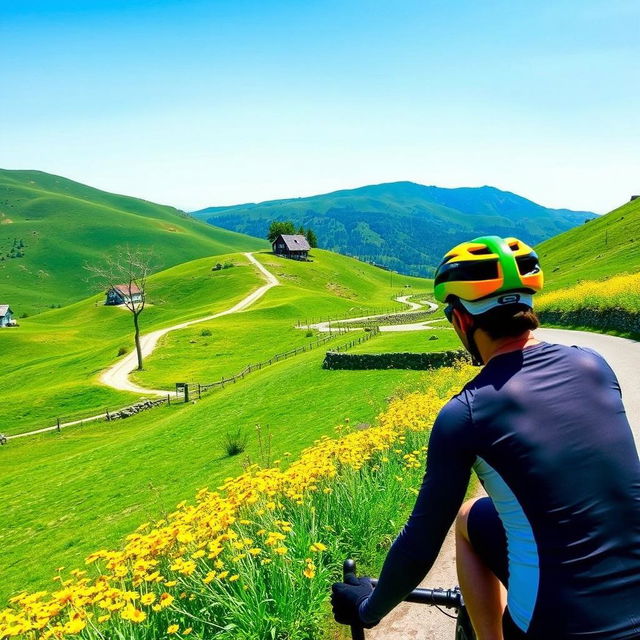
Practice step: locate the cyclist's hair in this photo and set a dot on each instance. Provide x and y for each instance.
(507, 322)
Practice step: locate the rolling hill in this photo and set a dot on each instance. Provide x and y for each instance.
(402, 225)
(603, 248)
(50, 227)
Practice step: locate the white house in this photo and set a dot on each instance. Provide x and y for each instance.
(121, 293)
(6, 316)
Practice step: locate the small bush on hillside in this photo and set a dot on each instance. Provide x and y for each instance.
(205, 332)
(235, 442)
(228, 265)
(122, 351)
(309, 334)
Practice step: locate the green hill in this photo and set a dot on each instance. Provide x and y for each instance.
(605, 247)
(402, 225)
(50, 227)
(91, 485)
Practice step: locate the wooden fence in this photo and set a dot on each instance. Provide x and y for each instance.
(199, 388)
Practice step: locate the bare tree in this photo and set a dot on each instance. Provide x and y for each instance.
(127, 271)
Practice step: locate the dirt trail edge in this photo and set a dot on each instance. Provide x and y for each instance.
(418, 622)
(117, 376)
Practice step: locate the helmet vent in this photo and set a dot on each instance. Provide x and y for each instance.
(528, 265)
(480, 251)
(514, 246)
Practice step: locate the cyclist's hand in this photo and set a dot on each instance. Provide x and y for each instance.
(346, 598)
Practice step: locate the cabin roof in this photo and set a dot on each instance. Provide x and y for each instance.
(4, 309)
(295, 242)
(126, 289)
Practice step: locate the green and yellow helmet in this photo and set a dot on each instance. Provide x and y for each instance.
(488, 266)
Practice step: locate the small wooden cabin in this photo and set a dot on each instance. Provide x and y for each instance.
(121, 293)
(294, 247)
(6, 316)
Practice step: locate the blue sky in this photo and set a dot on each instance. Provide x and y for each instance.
(198, 103)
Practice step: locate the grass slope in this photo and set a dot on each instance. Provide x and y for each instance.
(602, 248)
(57, 356)
(441, 339)
(331, 285)
(89, 486)
(403, 225)
(56, 226)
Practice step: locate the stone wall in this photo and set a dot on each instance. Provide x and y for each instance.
(621, 320)
(434, 360)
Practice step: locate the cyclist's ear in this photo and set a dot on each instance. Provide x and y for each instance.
(463, 319)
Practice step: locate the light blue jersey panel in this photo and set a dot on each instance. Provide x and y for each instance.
(524, 564)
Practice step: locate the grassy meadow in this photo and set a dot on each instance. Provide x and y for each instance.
(57, 356)
(605, 247)
(50, 227)
(331, 285)
(89, 486)
(256, 557)
(84, 475)
(441, 339)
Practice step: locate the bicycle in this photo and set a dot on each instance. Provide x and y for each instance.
(448, 598)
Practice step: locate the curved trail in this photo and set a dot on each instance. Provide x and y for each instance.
(330, 325)
(419, 622)
(117, 376)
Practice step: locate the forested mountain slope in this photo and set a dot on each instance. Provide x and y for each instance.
(402, 225)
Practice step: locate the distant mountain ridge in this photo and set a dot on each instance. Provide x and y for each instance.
(403, 226)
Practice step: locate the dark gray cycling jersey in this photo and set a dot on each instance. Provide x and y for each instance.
(546, 432)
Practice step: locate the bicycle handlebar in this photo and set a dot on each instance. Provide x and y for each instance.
(450, 598)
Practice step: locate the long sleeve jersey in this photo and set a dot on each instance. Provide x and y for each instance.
(545, 430)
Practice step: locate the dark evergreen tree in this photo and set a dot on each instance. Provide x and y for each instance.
(277, 227)
(311, 238)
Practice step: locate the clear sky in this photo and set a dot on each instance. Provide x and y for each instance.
(197, 103)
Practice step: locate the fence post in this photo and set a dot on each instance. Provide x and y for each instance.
(168, 399)
(186, 393)
(199, 392)
(222, 382)
(58, 423)
(108, 415)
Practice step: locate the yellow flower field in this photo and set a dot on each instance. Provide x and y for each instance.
(253, 558)
(620, 291)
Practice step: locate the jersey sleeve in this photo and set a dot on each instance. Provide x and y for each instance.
(449, 461)
(604, 367)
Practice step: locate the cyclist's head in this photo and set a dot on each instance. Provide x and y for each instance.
(491, 280)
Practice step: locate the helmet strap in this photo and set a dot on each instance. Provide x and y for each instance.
(476, 358)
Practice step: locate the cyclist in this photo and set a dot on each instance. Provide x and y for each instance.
(544, 428)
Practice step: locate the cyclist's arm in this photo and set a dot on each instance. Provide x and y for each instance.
(414, 551)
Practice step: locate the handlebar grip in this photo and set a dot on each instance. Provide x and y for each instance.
(349, 566)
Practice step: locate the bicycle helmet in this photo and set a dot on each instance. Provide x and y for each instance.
(481, 269)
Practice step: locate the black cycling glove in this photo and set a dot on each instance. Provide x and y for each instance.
(346, 598)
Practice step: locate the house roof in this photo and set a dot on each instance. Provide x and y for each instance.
(295, 243)
(126, 289)
(4, 309)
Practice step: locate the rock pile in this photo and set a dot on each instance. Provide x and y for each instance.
(135, 408)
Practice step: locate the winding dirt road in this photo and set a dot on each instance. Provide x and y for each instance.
(117, 376)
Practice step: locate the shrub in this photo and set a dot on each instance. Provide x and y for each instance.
(235, 442)
(122, 351)
(205, 332)
(309, 334)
